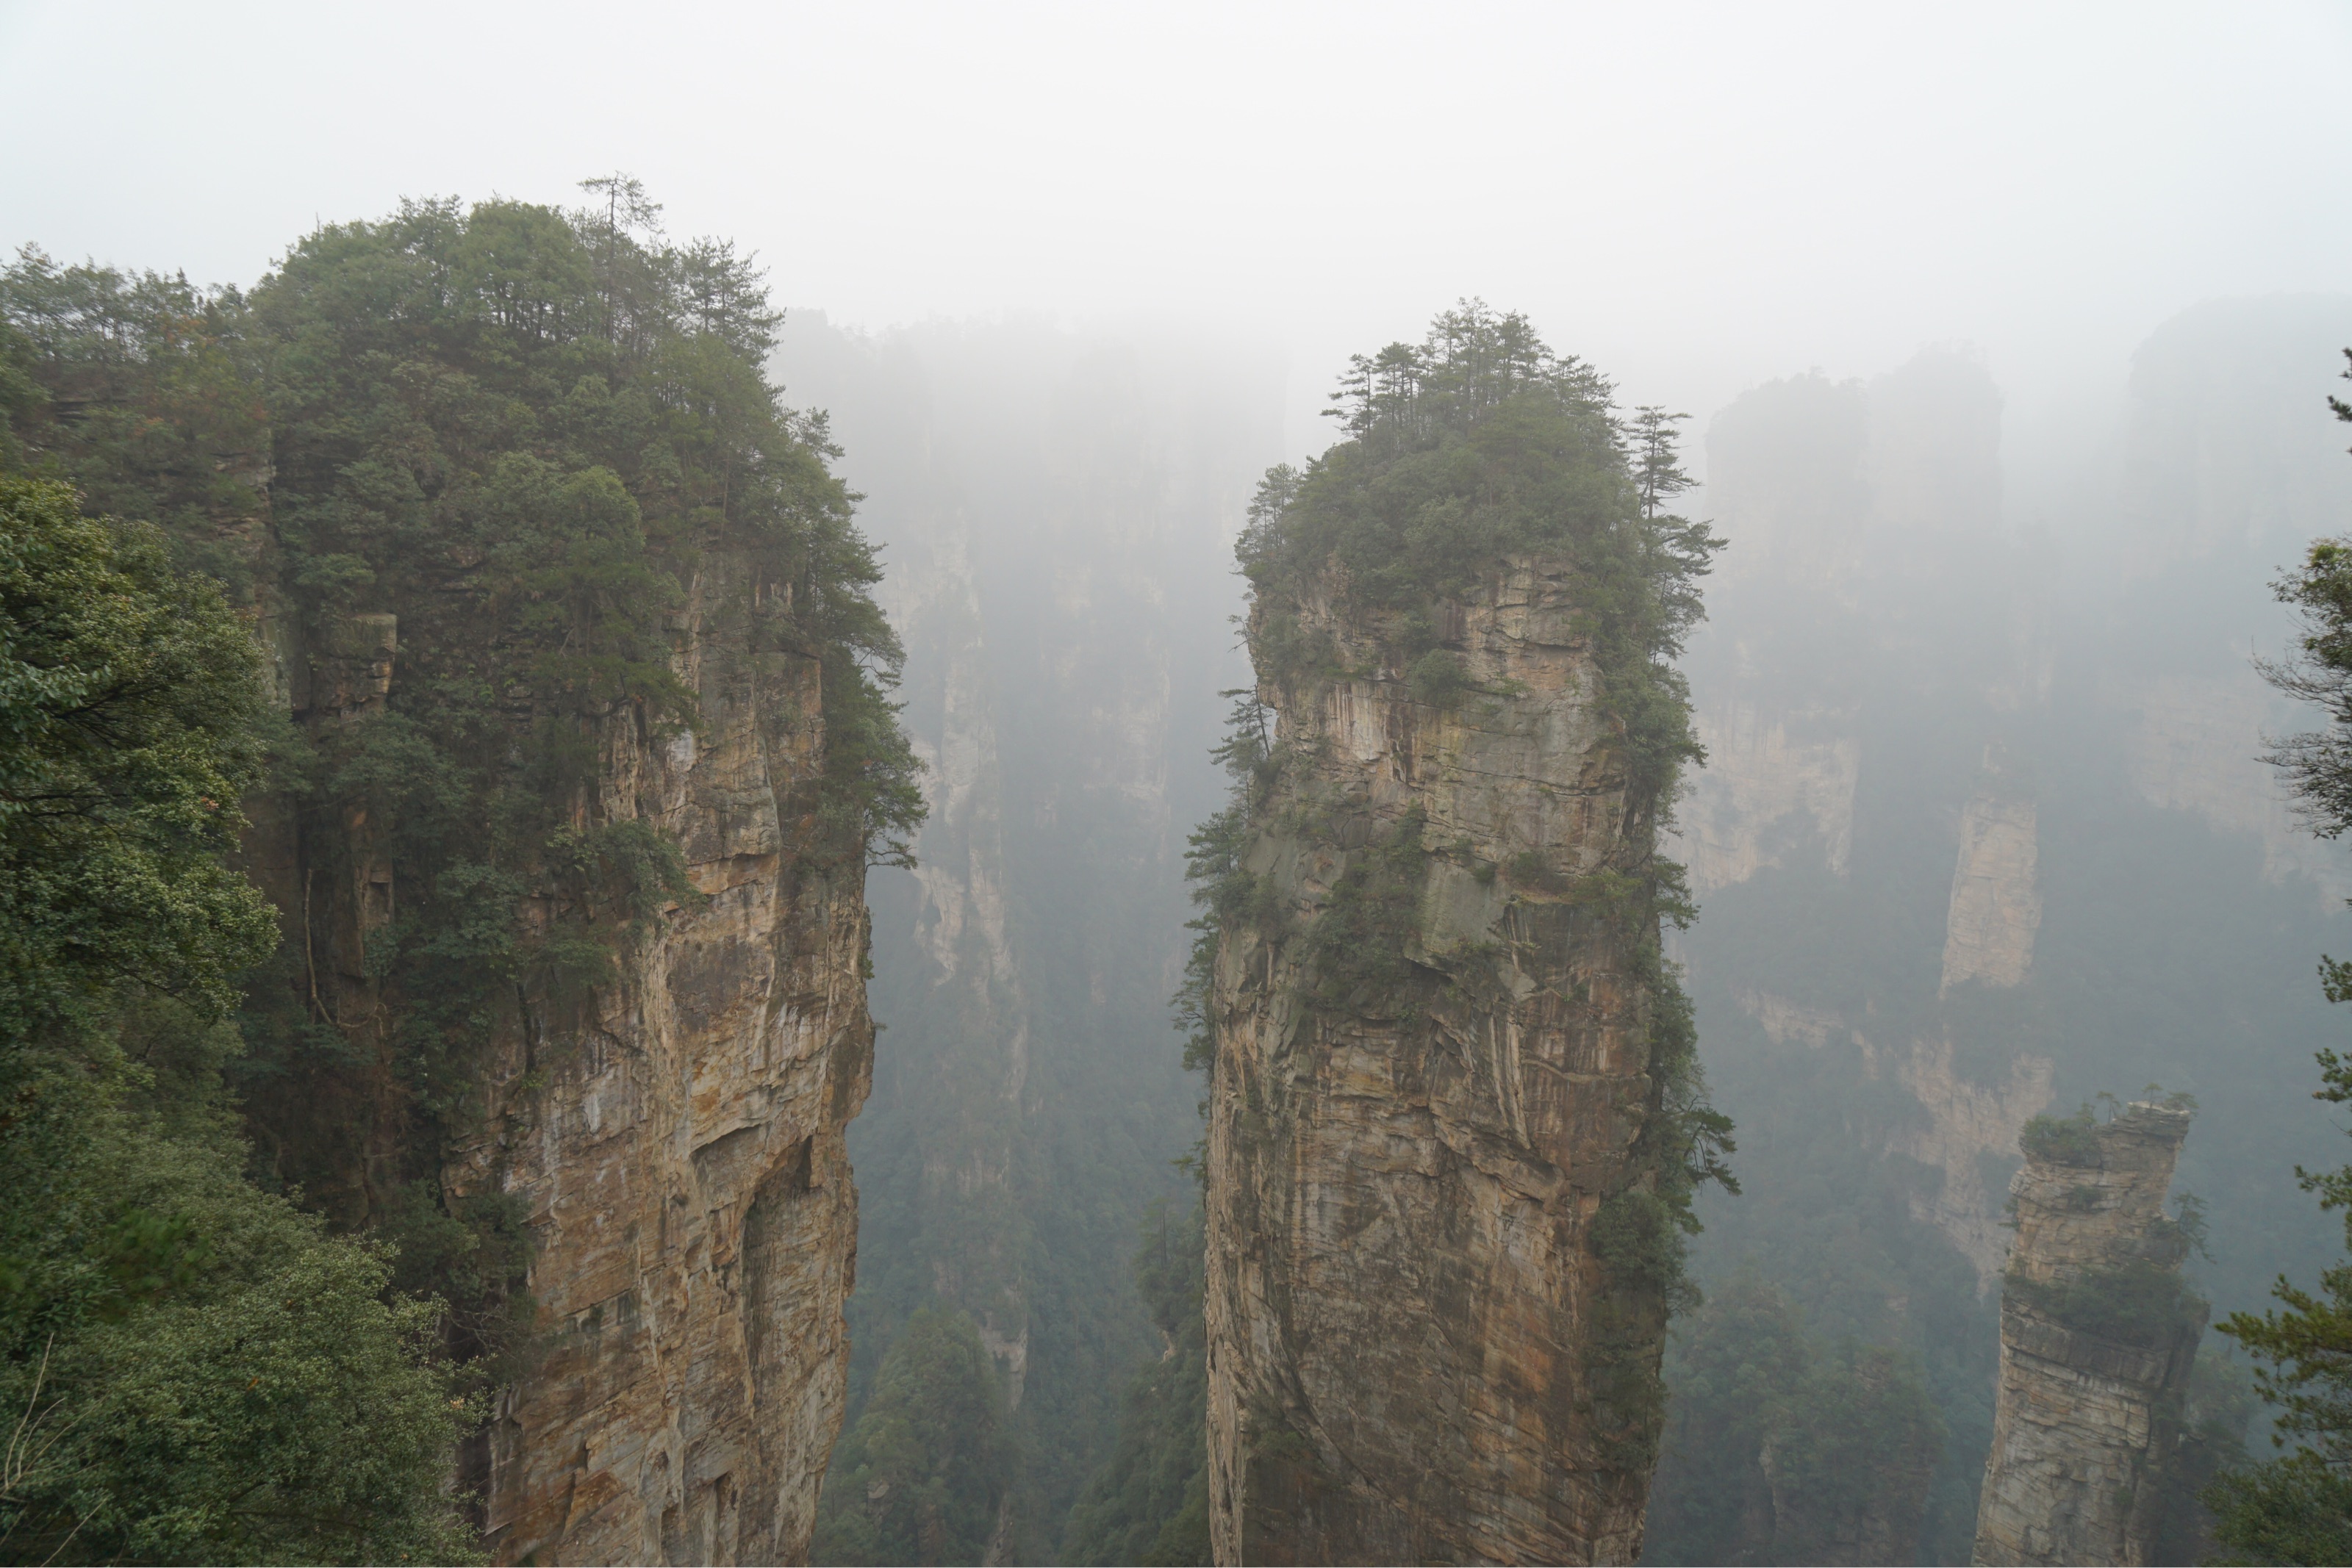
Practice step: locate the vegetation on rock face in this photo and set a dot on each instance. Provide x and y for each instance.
(1476, 445)
(2063, 1140)
(191, 1370)
(2141, 1303)
(521, 437)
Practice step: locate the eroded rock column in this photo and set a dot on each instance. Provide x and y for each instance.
(1435, 1297)
(675, 1139)
(2097, 1339)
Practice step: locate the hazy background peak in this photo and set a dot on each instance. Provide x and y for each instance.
(1697, 197)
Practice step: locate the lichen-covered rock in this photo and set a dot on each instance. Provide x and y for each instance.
(1435, 1297)
(2097, 1341)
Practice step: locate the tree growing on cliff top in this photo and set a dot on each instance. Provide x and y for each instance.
(2298, 1507)
(518, 430)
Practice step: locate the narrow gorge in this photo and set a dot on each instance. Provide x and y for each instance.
(1453, 1125)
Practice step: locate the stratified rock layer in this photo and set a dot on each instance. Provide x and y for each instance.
(677, 1144)
(1416, 1350)
(2087, 1417)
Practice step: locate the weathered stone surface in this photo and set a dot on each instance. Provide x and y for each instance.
(677, 1144)
(1415, 1353)
(1996, 908)
(2085, 1422)
(1765, 770)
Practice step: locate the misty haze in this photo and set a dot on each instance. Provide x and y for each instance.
(1039, 785)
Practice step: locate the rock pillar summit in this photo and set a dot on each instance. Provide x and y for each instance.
(1455, 1121)
(2097, 1339)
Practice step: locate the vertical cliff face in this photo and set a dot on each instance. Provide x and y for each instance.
(676, 1144)
(1427, 1338)
(671, 1140)
(2097, 1339)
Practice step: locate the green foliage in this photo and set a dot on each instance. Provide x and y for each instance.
(1438, 679)
(1640, 1236)
(1780, 1449)
(1478, 444)
(2063, 1140)
(2297, 1508)
(2318, 763)
(127, 693)
(196, 1372)
(1356, 946)
(525, 434)
(2212, 1443)
(474, 1256)
(1223, 888)
(923, 1476)
(2139, 1302)
(192, 1371)
(1148, 1502)
(135, 391)
(2285, 1509)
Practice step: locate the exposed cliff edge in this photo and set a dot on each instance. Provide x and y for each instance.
(1451, 1121)
(671, 1138)
(679, 1147)
(2097, 1339)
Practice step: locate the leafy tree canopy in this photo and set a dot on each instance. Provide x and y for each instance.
(191, 1370)
(127, 699)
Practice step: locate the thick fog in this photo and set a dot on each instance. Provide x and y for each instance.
(2005, 330)
(1695, 198)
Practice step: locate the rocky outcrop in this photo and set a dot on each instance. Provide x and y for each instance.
(677, 1146)
(1996, 906)
(671, 1137)
(1766, 773)
(2097, 1339)
(1431, 1334)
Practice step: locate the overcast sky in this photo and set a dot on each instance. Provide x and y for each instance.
(1695, 198)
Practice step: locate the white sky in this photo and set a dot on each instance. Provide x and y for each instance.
(1695, 198)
